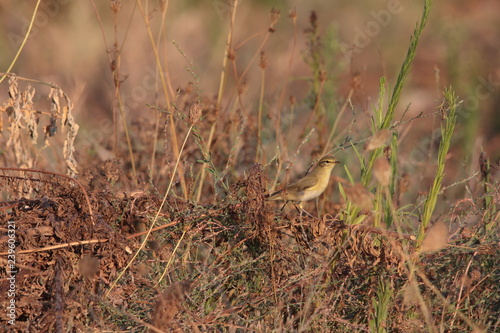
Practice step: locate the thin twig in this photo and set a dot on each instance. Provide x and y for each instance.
(91, 241)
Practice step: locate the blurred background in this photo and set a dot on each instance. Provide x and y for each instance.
(301, 79)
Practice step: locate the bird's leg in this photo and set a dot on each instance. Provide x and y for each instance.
(302, 228)
(299, 210)
(310, 215)
(284, 205)
(302, 210)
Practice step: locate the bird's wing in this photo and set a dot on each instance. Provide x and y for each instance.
(305, 183)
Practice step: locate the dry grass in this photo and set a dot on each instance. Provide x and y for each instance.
(166, 227)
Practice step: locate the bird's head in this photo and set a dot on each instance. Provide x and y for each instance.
(327, 162)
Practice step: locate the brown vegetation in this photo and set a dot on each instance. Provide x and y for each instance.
(148, 212)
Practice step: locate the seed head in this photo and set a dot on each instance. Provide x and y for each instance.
(194, 114)
(356, 81)
(116, 5)
(275, 16)
(292, 13)
(263, 60)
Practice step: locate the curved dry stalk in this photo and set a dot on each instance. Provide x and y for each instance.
(35, 11)
(55, 174)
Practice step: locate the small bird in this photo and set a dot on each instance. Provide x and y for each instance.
(310, 186)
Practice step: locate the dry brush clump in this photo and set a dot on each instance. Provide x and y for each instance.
(236, 263)
(64, 250)
(79, 252)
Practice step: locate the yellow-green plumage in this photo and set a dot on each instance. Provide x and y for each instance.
(310, 186)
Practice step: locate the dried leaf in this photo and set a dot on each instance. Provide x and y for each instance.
(360, 196)
(382, 171)
(167, 304)
(436, 237)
